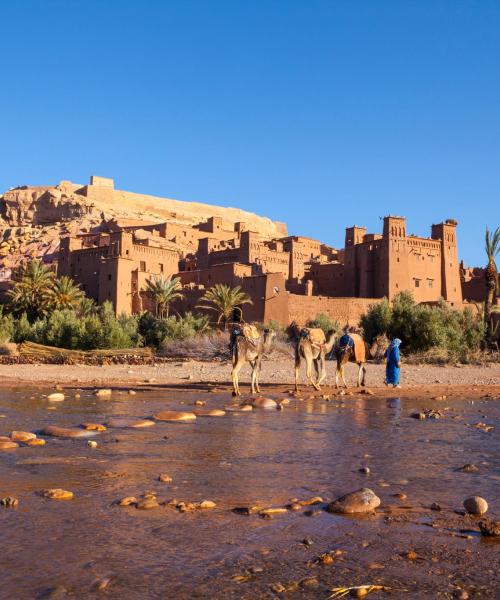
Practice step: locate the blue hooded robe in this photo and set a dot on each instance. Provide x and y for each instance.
(392, 371)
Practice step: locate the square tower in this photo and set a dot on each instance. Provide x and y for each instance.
(451, 286)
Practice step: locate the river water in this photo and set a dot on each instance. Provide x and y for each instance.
(89, 547)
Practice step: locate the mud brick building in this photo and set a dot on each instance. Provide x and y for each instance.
(289, 277)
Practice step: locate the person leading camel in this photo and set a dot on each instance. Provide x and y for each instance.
(393, 366)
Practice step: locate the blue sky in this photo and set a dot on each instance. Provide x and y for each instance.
(322, 114)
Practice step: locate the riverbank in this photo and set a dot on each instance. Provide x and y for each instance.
(276, 376)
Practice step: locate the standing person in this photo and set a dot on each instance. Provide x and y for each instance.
(393, 366)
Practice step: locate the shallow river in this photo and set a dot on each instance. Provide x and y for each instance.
(72, 548)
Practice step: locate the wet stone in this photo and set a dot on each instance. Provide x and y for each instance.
(238, 408)
(22, 436)
(361, 501)
(147, 503)
(475, 505)
(57, 494)
(66, 432)
(127, 501)
(266, 403)
(35, 442)
(164, 478)
(93, 426)
(209, 412)
(125, 423)
(172, 416)
(103, 393)
(9, 502)
(8, 445)
(56, 397)
(490, 528)
(469, 468)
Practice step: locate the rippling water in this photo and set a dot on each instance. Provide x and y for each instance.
(61, 549)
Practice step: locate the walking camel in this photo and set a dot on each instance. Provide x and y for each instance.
(311, 345)
(356, 354)
(245, 349)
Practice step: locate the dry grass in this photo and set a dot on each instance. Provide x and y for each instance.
(442, 356)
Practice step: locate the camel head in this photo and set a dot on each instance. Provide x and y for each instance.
(378, 346)
(331, 338)
(293, 331)
(343, 354)
(269, 337)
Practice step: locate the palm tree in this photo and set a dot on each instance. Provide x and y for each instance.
(224, 299)
(66, 293)
(162, 292)
(32, 283)
(492, 247)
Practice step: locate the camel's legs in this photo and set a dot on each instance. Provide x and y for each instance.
(364, 376)
(253, 364)
(309, 362)
(360, 371)
(234, 377)
(257, 373)
(342, 374)
(322, 377)
(297, 370)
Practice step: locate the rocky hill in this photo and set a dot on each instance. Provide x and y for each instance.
(33, 218)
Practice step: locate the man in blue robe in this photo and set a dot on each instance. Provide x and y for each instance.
(393, 366)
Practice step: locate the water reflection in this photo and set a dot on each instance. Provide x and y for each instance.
(264, 457)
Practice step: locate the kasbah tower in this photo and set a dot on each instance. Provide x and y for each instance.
(383, 265)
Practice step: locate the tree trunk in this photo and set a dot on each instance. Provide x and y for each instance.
(491, 287)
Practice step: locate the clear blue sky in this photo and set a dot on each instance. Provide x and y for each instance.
(318, 113)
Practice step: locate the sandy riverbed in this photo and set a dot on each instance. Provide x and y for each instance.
(276, 376)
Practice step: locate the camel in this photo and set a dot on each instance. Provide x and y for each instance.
(347, 354)
(244, 350)
(313, 354)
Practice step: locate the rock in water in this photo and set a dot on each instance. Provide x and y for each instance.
(490, 528)
(475, 505)
(125, 423)
(56, 397)
(93, 426)
(8, 445)
(174, 416)
(92, 444)
(9, 502)
(264, 403)
(35, 442)
(147, 503)
(238, 408)
(103, 393)
(22, 436)
(469, 468)
(66, 432)
(207, 504)
(58, 494)
(209, 412)
(164, 478)
(361, 501)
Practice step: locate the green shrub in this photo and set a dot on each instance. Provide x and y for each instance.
(6, 327)
(422, 327)
(70, 329)
(156, 331)
(324, 322)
